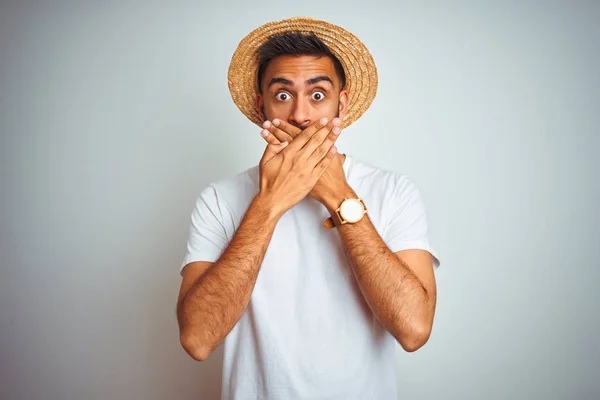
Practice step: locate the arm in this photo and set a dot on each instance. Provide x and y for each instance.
(213, 297)
(210, 304)
(399, 288)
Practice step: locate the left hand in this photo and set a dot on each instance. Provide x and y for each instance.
(333, 181)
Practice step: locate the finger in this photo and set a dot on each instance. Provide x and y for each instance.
(290, 129)
(315, 126)
(325, 162)
(270, 138)
(323, 149)
(320, 137)
(271, 151)
(282, 136)
(304, 136)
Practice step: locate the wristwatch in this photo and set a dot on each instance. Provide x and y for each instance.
(349, 212)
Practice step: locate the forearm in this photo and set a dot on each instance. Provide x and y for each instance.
(393, 292)
(215, 303)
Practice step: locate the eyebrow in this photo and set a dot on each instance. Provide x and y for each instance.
(275, 80)
(317, 79)
(311, 81)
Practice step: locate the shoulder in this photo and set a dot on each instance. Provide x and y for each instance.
(243, 181)
(231, 192)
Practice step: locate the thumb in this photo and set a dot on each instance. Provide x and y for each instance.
(272, 150)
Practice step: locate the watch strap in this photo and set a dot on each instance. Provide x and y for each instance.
(328, 223)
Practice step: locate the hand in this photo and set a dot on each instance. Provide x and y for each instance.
(282, 131)
(332, 182)
(289, 170)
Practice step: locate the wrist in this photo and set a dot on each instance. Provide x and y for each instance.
(334, 200)
(266, 206)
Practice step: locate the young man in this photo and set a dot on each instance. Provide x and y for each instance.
(311, 265)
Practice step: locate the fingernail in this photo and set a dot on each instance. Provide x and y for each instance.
(336, 130)
(323, 121)
(266, 125)
(334, 150)
(337, 122)
(276, 122)
(264, 133)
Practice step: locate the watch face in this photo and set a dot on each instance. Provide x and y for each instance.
(351, 210)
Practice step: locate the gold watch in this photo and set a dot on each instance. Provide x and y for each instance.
(349, 212)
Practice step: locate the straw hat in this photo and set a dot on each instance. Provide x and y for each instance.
(358, 64)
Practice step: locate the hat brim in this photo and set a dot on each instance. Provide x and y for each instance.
(359, 66)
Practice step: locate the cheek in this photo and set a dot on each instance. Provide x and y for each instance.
(327, 107)
(279, 110)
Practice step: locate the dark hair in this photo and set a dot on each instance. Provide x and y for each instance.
(295, 44)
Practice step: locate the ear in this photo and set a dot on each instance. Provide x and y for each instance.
(343, 103)
(260, 106)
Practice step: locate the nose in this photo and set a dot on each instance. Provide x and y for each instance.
(300, 115)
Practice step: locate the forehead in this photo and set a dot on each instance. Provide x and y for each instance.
(300, 68)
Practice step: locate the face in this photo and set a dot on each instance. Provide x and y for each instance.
(301, 90)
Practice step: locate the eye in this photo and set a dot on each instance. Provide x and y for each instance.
(318, 96)
(282, 96)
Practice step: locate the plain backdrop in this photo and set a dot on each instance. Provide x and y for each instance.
(114, 116)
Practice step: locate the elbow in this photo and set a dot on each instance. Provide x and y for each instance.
(414, 340)
(413, 344)
(194, 347)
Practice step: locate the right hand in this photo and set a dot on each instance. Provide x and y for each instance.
(289, 170)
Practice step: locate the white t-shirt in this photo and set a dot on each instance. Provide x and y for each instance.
(307, 332)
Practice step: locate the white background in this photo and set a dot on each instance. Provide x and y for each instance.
(115, 115)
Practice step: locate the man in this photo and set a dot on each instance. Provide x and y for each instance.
(311, 265)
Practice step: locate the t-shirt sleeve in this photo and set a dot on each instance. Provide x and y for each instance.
(207, 238)
(408, 227)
